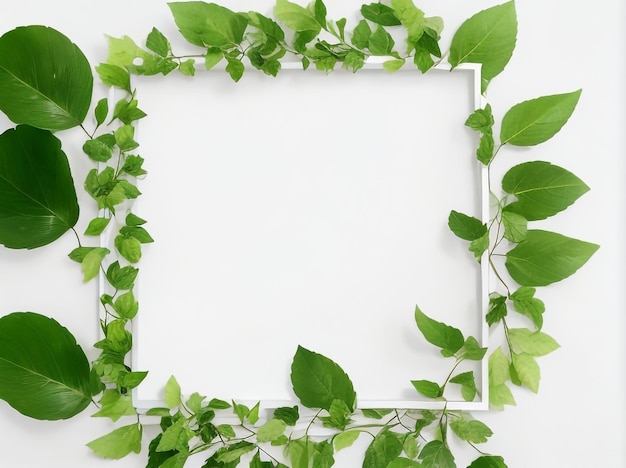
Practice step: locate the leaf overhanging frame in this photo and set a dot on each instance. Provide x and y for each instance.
(482, 404)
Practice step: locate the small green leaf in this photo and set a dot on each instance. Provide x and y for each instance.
(439, 334)
(317, 381)
(498, 367)
(466, 227)
(471, 430)
(427, 388)
(216, 403)
(488, 461)
(97, 226)
(92, 261)
(525, 303)
(288, 414)
(138, 233)
(497, 308)
(411, 17)
(118, 443)
(515, 226)
(500, 395)
(436, 454)
(296, 17)
(172, 393)
(380, 42)
(537, 120)
(114, 405)
(235, 68)
(534, 343)
(158, 43)
(101, 111)
(271, 430)
(124, 137)
(188, 67)
(542, 189)
(375, 413)
(126, 306)
(345, 439)
(129, 248)
(481, 120)
(527, 370)
(487, 38)
(361, 35)
(385, 448)
(380, 13)
(121, 278)
(471, 350)
(468, 385)
(113, 75)
(547, 257)
(393, 65)
(402, 462)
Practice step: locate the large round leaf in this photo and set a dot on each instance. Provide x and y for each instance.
(44, 374)
(37, 196)
(45, 80)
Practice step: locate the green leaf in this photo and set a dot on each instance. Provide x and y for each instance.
(235, 451)
(45, 79)
(427, 388)
(188, 67)
(436, 454)
(380, 42)
(497, 308)
(44, 374)
(97, 150)
(209, 25)
(500, 395)
(101, 111)
(487, 38)
(525, 303)
(288, 414)
(118, 443)
(339, 415)
(375, 413)
(547, 257)
(498, 367)
(126, 306)
(38, 201)
(439, 334)
(471, 430)
(114, 75)
(271, 430)
(385, 448)
(403, 463)
(345, 439)
(488, 461)
(158, 43)
(173, 396)
(393, 65)
(527, 370)
(97, 226)
(515, 226)
(380, 13)
(235, 68)
(471, 350)
(92, 261)
(466, 227)
(534, 343)
(296, 17)
(124, 138)
(542, 189)
(537, 120)
(481, 120)
(216, 403)
(121, 277)
(361, 35)
(411, 17)
(468, 385)
(138, 233)
(114, 405)
(317, 381)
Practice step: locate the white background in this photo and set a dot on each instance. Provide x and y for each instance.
(577, 420)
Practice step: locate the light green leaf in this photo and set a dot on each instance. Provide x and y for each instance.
(498, 367)
(187, 67)
(380, 42)
(515, 226)
(439, 334)
(345, 439)
(118, 443)
(97, 226)
(537, 120)
(479, 246)
(208, 24)
(124, 138)
(114, 75)
(402, 462)
(317, 381)
(235, 68)
(114, 405)
(296, 17)
(44, 374)
(411, 17)
(172, 393)
(436, 454)
(487, 38)
(92, 261)
(38, 200)
(158, 43)
(427, 388)
(129, 248)
(126, 306)
(500, 395)
(361, 35)
(271, 430)
(527, 370)
(471, 430)
(547, 257)
(534, 343)
(393, 65)
(45, 79)
(542, 189)
(380, 13)
(525, 303)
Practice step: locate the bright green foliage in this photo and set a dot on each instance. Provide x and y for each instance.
(537, 120)
(44, 374)
(45, 80)
(488, 461)
(172, 393)
(271, 430)
(546, 257)
(487, 38)
(499, 375)
(380, 13)
(118, 443)
(471, 430)
(114, 405)
(542, 189)
(482, 121)
(448, 338)
(317, 381)
(427, 388)
(534, 343)
(385, 448)
(468, 385)
(38, 202)
(436, 454)
(345, 439)
(527, 370)
(525, 303)
(515, 226)
(497, 308)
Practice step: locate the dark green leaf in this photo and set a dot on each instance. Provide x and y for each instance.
(97, 150)
(466, 227)
(235, 451)
(547, 257)
(101, 111)
(542, 189)
(380, 42)
(537, 120)
(487, 38)
(158, 43)
(208, 24)
(288, 414)
(468, 385)
(38, 201)
(497, 308)
(439, 334)
(113, 75)
(317, 381)
(216, 403)
(471, 350)
(138, 233)
(403, 463)
(361, 35)
(121, 277)
(380, 13)
(134, 166)
(436, 454)
(45, 80)
(488, 461)
(385, 448)
(44, 374)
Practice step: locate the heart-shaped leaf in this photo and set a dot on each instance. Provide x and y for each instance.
(45, 79)
(44, 374)
(37, 197)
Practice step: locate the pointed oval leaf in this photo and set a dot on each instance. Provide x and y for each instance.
(44, 374)
(487, 38)
(45, 79)
(118, 443)
(37, 197)
(444, 336)
(542, 189)
(547, 257)
(317, 381)
(537, 120)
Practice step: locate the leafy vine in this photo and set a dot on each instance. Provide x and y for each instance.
(46, 375)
